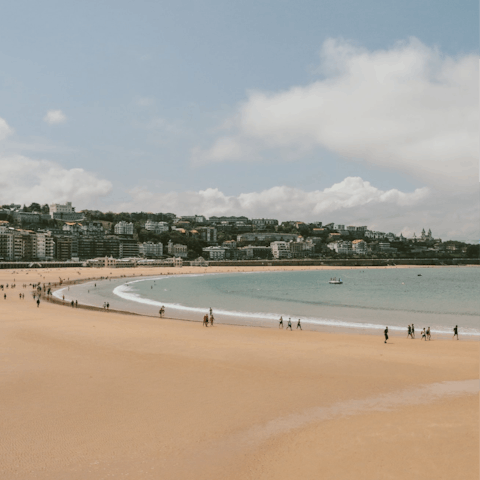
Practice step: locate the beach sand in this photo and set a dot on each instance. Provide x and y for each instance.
(95, 395)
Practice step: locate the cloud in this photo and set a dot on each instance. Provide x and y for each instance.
(27, 180)
(145, 101)
(409, 108)
(5, 129)
(24, 180)
(54, 117)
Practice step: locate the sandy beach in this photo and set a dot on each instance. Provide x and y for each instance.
(95, 395)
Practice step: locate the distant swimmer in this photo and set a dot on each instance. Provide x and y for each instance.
(280, 323)
(455, 331)
(299, 325)
(289, 324)
(386, 334)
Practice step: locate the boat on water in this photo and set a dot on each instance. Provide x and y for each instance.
(334, 281)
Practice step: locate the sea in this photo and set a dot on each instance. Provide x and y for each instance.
(366, 302)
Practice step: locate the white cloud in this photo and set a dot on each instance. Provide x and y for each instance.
(25, 180)
(145, 101)
(54, 117)
(409, 108)
(5, 129)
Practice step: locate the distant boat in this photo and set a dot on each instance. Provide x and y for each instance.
(334, 281)
(419, 274)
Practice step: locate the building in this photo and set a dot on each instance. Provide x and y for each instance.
(128, 248)
(300, 249)
(123, 228)
(232, 220)
(208, 234)
(214, 253)
(359, 247)
(150, 249)
(157, 227)
(280, 250)
(177, 249)
(255, 252)
(266, 237)
(264, 222)
(45, 246)
(342, 247)
(64, 212)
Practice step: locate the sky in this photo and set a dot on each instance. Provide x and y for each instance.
(362, 113)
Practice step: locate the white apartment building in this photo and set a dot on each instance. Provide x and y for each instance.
(177, 249)
(341, 247)
(214, 253)
(123, 228)
(280, 250)
(359, 247)
(64, 212)
(45, 246)
(150, 249)
(157, 227)
(59, 208)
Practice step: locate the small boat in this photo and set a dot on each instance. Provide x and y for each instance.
(334, 281)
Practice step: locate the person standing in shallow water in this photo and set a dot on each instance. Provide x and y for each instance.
(386, 334)
(455, 331)
(280, 323)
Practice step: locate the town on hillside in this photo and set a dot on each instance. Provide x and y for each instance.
(58, 233)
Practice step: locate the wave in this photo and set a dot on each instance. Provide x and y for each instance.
(125, 291)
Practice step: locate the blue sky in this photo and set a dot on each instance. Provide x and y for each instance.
(152, 103)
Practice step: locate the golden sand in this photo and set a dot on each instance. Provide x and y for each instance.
(95, 395)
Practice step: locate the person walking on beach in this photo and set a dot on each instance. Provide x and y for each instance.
(455, 331)
(424, 334)
(289, 324)
(413, 330)
(386, 334)
(428, 333)
(280, 323)
(299, 325)
(211, 311)
(38, 302)
(409, 331)
(211, 320)
(205, 320)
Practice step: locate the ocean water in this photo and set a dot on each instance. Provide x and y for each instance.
(367, 300)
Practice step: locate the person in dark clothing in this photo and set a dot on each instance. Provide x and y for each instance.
(386, 334)
(409, 331)
(455, 331)
(413, 330)
(299, 325)
(289, 324)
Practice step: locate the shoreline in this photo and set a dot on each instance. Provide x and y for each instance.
(335, 327)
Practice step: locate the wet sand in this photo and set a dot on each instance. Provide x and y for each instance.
(96, 395)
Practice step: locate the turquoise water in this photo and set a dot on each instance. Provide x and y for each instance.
(368, 299)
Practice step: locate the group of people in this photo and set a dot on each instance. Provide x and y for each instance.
(289, 324)
(426, 333)
(207, 318)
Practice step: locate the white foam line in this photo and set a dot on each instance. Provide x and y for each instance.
(123, 291)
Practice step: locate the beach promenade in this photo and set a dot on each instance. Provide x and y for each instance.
(96, 395)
